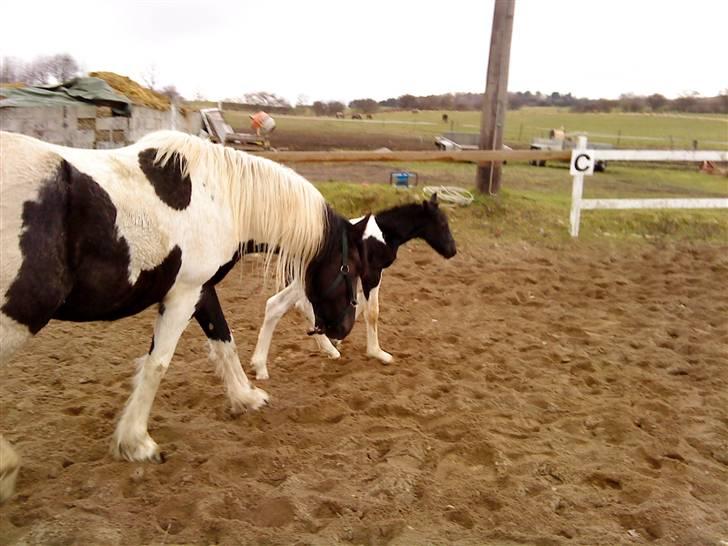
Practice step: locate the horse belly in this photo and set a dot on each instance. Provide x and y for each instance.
(103, 291)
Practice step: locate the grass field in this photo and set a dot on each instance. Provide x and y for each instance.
(534, 204)
(661, 131)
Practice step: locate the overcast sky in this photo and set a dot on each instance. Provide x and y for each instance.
(339, 50)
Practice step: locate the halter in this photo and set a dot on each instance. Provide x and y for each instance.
(343, 276)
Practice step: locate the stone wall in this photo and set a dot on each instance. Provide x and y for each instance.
(87, 126)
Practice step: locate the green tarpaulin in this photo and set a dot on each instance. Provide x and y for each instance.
(84, 90)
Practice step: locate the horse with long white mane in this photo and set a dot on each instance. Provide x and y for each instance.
(103, 234)
(385, 232)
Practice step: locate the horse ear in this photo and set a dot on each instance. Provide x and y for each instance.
(432, 203)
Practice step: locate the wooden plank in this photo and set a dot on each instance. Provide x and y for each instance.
(592, 204)
(465, 156)
(659, 155)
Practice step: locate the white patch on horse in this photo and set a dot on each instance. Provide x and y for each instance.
(12, 336)
(372, 229)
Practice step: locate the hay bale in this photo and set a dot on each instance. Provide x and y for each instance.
(137, 93)
(9, 85)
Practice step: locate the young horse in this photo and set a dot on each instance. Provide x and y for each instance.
(99, 235)
(386, 231)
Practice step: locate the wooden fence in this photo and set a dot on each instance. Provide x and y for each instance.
(465, 156)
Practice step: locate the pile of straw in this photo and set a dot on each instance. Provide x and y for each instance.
(135, 92)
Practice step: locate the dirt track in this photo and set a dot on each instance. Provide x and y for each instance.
(572, 396)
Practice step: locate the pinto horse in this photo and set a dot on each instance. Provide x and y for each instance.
(91, 235)
(385, 232)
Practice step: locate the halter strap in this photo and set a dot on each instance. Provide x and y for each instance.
(343, 276)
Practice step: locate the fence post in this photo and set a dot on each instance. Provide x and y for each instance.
(577, 190)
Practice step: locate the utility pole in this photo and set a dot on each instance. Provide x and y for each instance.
(495, 100)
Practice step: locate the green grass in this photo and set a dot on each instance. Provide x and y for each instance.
(661, 131)
(534, 203)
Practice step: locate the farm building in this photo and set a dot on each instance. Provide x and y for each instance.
(104, 110)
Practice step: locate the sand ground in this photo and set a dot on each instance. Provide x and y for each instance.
(572, 395)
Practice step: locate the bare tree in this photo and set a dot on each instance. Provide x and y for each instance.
(62, 67)
(264, 98)
(171, 92)
(11, 70)
(36, 71)
(150, 76)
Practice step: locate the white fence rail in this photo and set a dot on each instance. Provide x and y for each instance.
(582, 164)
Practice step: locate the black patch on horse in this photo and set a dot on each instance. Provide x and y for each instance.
(168, 181)
(210, 317)
(98, 260)
(32, 297)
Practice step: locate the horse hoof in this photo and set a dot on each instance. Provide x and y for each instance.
(145, 450)
(383, 356)
(334, 355)
(262, 375)
(258, 399)
(252, 400)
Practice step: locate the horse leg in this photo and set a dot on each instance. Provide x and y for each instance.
(323, 342)
(224, 354)
(276, 306)
(371, 315)
(12, 336)
(9, 466)
(131, 439)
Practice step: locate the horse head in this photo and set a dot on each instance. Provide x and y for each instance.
(436, 230)
(332, 276)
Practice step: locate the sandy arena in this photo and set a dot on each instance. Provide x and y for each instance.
(539, 396)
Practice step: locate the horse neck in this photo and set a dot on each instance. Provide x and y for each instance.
(276, 209)
(400, 225)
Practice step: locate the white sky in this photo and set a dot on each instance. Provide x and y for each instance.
(339, 50)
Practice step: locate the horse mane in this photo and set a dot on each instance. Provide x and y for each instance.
(271, 204)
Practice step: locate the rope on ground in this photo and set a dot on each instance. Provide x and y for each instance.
(450, 194)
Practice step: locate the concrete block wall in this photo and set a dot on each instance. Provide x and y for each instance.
(91, 127)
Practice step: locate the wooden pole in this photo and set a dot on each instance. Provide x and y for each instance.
(495, 100)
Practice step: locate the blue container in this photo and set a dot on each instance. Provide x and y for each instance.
(401, 179)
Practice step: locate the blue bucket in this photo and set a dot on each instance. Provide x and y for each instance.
(401, 179)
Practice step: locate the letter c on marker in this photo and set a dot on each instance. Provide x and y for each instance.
(578, 166)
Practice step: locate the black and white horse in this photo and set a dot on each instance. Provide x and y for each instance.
(98, 235)
(385, 232)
